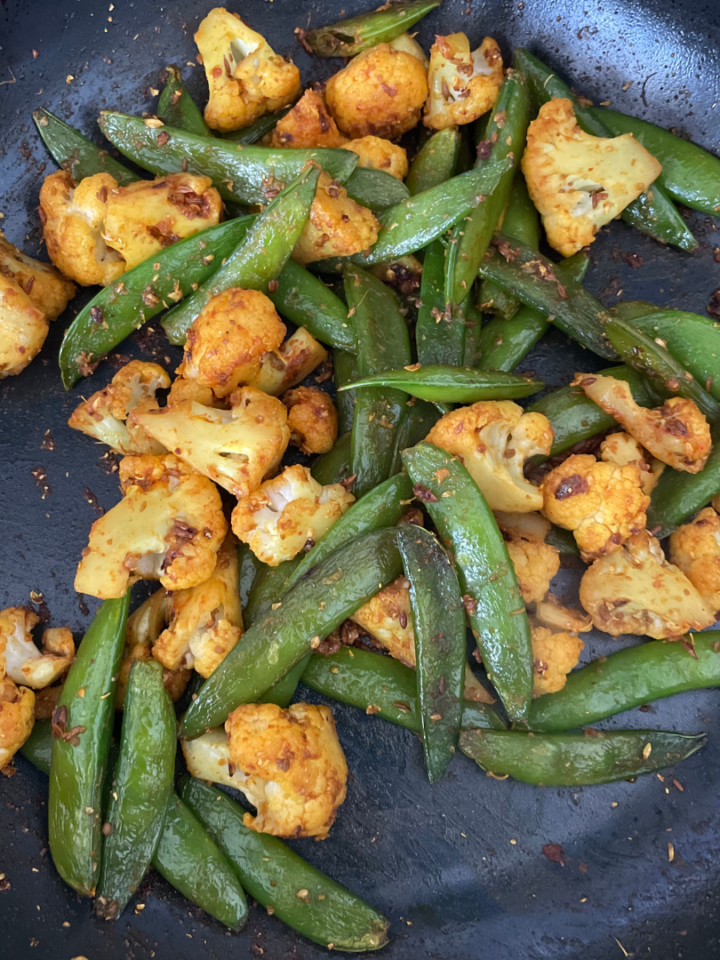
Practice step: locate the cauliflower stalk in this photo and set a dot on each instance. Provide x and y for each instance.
(336, 227)
(294, 360)
(46, 288)
(695, 549)
(312, 419)
(20, 659)
(16, 718)
(621, 448)
(308, 124)
(464, 84)
(550, 612)
(554, 656)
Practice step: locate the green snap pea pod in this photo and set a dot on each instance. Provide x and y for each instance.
(142, 783)
(257, 130)
(269, 584)
(79, 755)
(283, 691)
(627, 679)
(308, 612)
(375, 189)
(473, 328)
(417, 421)
(176, 107)
(487, 577)
(452, 384)
(563, 541)
(143, 292)
(382, 342)
(574, 760)
(308, 302)
(534, 280)
(72, 151)
(439, 332)
(658, 365)
(38, 746)
(345, 369)
(435, 161)
(349, 37)
(239, 172)
(248, 568)
(274, 876)
(653, 212)
(258, 259)
(334, 466)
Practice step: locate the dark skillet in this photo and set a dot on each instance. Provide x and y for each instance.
(459, 867)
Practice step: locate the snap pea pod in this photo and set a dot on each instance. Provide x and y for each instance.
(653, 212)
(257, 130)
(143, 292)
(268, 585)
(239, 172)
(352, 36)
(176, 107)
(248, 568)
(83, 718)
(345, 369)
(473, 328)
(435, 161)
(563, 541)
(487, 577)
(439, 331)
(627, 679)
(312, 609)
(38, 746)
(445, 384)
(274, 875)
(142, 783)
(574, 760)
(305, 300)
(334, 466)
(417, 421)
(258, 259)
(375, 189)
(72, 151)
(382, 341)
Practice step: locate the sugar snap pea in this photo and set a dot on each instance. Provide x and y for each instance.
(176, 107)
(74, 152)
(375, 189)
(248, 567)
(440, 330)
(446, 384)
(435, 161)
(334, 466)
(417, 420)
(268, 585)
(303, 298)
(350, 37)
(345, 369)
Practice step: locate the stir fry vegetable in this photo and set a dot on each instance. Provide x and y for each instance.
(451, 384)
(350, 37)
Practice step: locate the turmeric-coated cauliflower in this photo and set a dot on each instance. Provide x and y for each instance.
(20, 659)
(46, 288)
(168, 527)
(182, 389)
(554, 656)
(493, 438)
(16, 718)
(106, 415)
(523, 526)
(579, 182)
(695, 549)
(23, 328)
(603, 504)
(621, 448)
(287, 366)
(636, 590)
(463, 84)
(378, 154)
(677, 433)
(550, 612)
(388, 618)
(245, 76)
(287, 513)
(535, 565)
(336, 226)
(312, 419)
(308, 124)
(236, 448)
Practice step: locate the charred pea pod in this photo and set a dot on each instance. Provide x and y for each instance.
(375, 189)
(435, 161)
(305, 300)
(349, 37)
(82, 727)
(72, 151)
(444, 384)
(440, 330)
(176, 107)
(487, 577)
(257, 130)
(345, 370)
(334, 466)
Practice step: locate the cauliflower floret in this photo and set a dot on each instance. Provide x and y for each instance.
(410, 45)
(677, 433)
(168, 527)
(205, 622)
(236, 448)
(602, 503)
(535, 565)
(579, 182)
(16, 718)
(294, 360)
(246, 78)
(312, 419)
(229, 338)
(183, 389)
(336, 227)
(523, 526)
(493, 439)
(554, 656)
(285, 514)
(621, 448)
(463, 84)
(636, 590)
(307, 125)
(388, 618)
(380, 92)
(48, 289)
(695, 549)
(21, 660)
(550, 612)
(378, 154)
(106, 415)
(23, 328)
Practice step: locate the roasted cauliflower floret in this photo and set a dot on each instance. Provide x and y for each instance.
(621, 448)
(246, 78)
(168, 527)
(463, 84)
(388, 618)
(287, 366)
(550, 612)
(236, 448)
(226, 343)
(601, 503)
(285, 514)
(378, 154)
(16, 718)
(48, 289)
(554, 656)
(535, 565)
(579, 182)
(410, 45)
(106, 414)
(312, 419)
(695, 549)
(182, 389)
(636, 590)
(23, 328)
(677, 433)
(20, 658)
(337, 226)
(523, 526)
(493, 439)
(307, 125)
(380, 92)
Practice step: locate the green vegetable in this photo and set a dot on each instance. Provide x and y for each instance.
(248, 568)
(334, 466)
(38, 746)
(349, 37)
(435, 161)
(80, 752)
(440, 331)
(563, 541)
(375, 189)
(176, 108)
(417, 421)
(345, 369)
(487, 577)
(452, 384)
(473, 327)
(268, 585)
(257, 130)
(72, 151)
(308, 302)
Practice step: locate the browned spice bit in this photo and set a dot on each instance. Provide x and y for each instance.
(162, 233)
(571, 486)
(271, 187)
(86, 363)
(272, 286)
(324, 372)
(107, 829)
(634, 260)
(181, 530)
(591, 732)
(348, 482)
(713, 307)
(555, 853)
(149, 298)
(562, 292)
(96, 314)
(476, 655)
(689, 646)
(300, 34)
(4, 883)
(402, 707)
(58, 724)
(582, 867)
(402, 619)
(372, 708)
(48, 441)
(162, 138)
(109, 462)
(505, 248)
(469, 603)
(678, 785)
(107, 909)
(422, 493)
(90, 498)
(390, 90)
(118, 360)
(150, 340)
(41, 481)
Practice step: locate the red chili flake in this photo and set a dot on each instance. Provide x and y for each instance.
(422, 493)
(555, 853)
(713, 307)
(634, 260)
(571, 486)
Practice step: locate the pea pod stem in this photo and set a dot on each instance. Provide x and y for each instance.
(435, 161)
(176, 107)
(446, 384)
(350, 37)
(74, 152)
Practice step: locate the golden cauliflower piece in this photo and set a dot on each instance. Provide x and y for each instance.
(236, 448)
(603, 504)
(312, 419)
(285, 514)
(245, 76)
(380, 92)
(168, 527)
(493, 439)
(336, 227)
(182, 389)
(550, 612)
(636, 590)
(229, 338)
(23, 328)
(106, 415)
(554, 656)
(535, 565)
(388, 618)
(621, 448)
(464, 84)
(20, 659)
(16, 718)
(294, 360)
(695, 549)
(677, 433)
(46, 288)
(307, 125)
(579, 182)
(378, 154)
(523, 526)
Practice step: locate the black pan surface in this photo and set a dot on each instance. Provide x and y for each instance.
(458, 868)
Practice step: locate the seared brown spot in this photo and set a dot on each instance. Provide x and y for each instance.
(571, 486)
